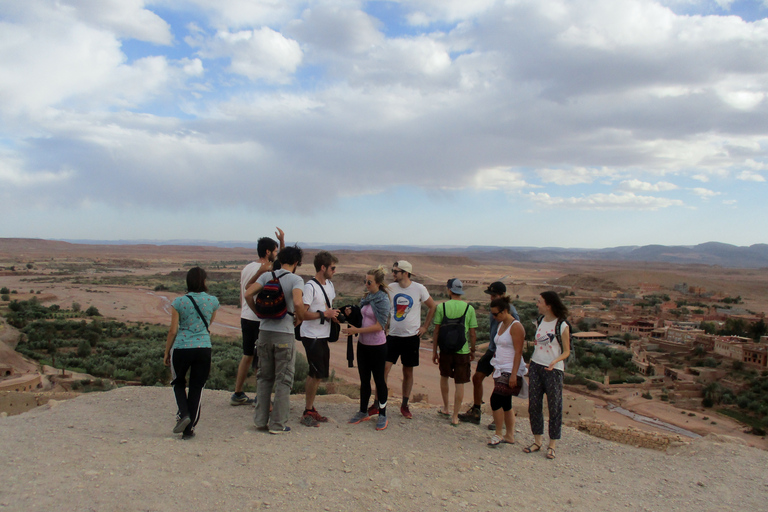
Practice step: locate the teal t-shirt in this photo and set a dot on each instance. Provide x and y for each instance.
(454, 309)
(192, 332)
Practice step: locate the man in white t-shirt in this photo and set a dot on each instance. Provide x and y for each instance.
(316, 330)
(266, 249)
(405, 327)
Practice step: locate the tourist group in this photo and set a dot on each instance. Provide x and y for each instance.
(278, 308)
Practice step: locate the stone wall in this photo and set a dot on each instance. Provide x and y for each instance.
(629, 435)
(12, 402)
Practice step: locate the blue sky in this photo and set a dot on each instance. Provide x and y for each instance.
(583, 123)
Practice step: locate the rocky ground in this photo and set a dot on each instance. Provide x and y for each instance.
(115, 452)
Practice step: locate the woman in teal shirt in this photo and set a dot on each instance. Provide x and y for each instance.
(188, 348)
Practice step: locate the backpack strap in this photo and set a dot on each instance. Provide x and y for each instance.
(327, 302)
(199, 312)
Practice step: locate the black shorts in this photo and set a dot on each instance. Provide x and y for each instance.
(406, 347)
(484, 364)
(250, 330)
(318, 357)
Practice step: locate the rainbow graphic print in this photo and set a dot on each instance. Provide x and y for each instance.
(403, 304)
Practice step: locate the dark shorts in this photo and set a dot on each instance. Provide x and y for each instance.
(318, 357)
(250, 330)
(455, 366)
(501, 402)
(406, 347)
(484, 364)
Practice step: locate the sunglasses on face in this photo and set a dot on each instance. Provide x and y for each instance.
(396, 271)
(495, 314)
(368, 282)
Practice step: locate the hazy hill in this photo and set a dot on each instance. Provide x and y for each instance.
(710, 253)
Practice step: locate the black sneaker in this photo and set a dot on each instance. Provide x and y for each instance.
(187, 435)
(181, 425)
(471, 416)
(240, 399)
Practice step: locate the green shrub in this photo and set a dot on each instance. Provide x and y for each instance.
(5, 297)
(84, 348)
(4, 290)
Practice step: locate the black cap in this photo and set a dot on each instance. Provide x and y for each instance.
(496, 288)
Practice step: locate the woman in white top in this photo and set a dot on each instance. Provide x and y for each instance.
(508, 364)
(545, 373)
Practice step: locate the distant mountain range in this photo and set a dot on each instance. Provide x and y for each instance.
(710, 253)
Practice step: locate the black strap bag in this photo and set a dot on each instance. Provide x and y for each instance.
(452, 335)
(335, 326)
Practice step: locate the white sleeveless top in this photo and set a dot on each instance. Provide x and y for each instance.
(504, 359)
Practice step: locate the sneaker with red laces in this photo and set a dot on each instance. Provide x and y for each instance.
(405, 411)
(373, 410)
(316, 415)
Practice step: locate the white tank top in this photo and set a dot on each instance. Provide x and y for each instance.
(504, 358)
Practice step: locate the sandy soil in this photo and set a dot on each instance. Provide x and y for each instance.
(115, 452)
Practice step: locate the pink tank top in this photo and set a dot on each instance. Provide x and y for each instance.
(371, 338)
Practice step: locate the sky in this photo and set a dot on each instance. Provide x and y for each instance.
(544, 123)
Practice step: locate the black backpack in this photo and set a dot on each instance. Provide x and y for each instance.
(558, 335)
(270, 301)
(452, 335)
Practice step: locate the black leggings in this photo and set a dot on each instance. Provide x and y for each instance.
(198, 362)
(501, 402)
(371, 360)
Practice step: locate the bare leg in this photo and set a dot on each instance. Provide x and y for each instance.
(498, 419)
(444, 392)
(310, 390)
(242, 372)
(407, 381)
(509, 423)
(477, 387)
(457, 399)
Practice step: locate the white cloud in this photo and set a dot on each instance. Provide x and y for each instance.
(128, 18)
(49, 57)
(261, 54)
(499, 178)
(425, 12)
(574, 176)
(750, 176)
(625, 201)
(704, 193)
(635, 185)
(233, 14)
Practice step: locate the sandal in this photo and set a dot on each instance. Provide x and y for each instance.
(443, 414)
(531, 449)
(495, 441)
(550, 453)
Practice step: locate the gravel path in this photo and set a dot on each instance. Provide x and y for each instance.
(115, 452)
